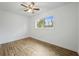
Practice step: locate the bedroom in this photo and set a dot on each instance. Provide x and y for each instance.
(19, 29)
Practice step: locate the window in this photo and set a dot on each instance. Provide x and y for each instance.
(46, 22)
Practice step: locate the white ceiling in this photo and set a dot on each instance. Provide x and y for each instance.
(17, 8)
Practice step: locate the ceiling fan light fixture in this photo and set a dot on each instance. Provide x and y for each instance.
(30, 10)
(30, 7)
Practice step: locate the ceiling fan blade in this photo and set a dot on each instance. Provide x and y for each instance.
(36, 8)
(26, 10)
(23, 5)
(32, 3)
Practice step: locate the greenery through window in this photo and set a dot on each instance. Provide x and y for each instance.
(45, 22)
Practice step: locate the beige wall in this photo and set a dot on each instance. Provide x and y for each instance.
(12, 26)
(78, 27)
(65, 32)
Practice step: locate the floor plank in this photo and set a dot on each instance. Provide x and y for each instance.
(33, 47)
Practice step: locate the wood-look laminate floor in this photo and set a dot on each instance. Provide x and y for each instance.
(32, 47)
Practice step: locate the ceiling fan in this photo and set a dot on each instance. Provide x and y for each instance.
(30, 7)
